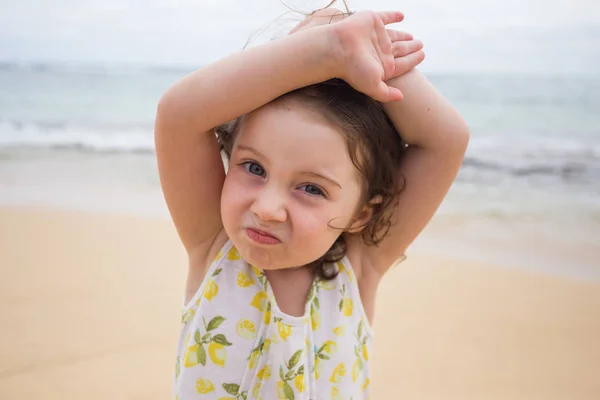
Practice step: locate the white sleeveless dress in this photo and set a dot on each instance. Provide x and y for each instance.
(236, 343)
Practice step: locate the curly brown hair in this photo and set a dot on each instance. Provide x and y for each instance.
(374, 146)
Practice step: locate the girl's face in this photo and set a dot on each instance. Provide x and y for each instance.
(290, 184)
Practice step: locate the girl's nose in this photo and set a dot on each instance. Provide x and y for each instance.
(269, 205)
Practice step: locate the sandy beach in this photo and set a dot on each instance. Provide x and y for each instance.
(90, 310)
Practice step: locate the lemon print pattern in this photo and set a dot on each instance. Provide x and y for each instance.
(360, 351)
(338, 373)
(260, 301)
(345, 306)
(284, 329)
(246, 329)
(216, 343)
(212, 289)
(204, 386)
(339, 330)
(236, 344)
(243, 280)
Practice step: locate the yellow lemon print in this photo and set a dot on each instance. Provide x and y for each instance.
(211, 289)
(256, 390)
(284, 330)
(267, 315)
(340, 330)
(315, 319)
(264, 373)
(299, 382)
(335, 393)
(219, 255)
(204, 386)
(245, 329)
(243, 280)
(356, 369)
(266, 345)
(233, 254)
(365, 384)
(342, 269)
(327, 285)
(280, 390)
(190, 358)
(216, 352)
(257, 271)
(365, 352)
(347, 306)
(318, 368)
(253, 360)
(188, 316)
(260, 300)
(226, 398)
(338, 373)
(330, 348)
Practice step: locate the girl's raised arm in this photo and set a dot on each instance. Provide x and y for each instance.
(189, 162)
(438, 137)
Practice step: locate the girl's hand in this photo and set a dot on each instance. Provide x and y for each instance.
(367, 55)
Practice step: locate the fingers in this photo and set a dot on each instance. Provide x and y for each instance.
(385, 44)
(398, 35)
(390, 17)
(408, 62)
(406, 47)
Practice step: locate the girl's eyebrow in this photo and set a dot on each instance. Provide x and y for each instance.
(250, 149)
(310, 173)
(331, 180)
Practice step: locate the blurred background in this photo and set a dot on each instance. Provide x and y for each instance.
(499, 298)
(80, 81)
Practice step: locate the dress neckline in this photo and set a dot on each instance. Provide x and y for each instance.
(287, 318)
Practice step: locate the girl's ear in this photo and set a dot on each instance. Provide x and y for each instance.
(364, 215)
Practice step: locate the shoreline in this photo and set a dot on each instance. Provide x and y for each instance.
(91, 302)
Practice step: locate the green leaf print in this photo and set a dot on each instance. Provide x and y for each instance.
(217, 272)
(323, 356)
(244, 395)
(214, 323)
(341, 305)
(197, 336)
(231, 388)
(205, 337)
(294, 360)
(281, 373)
(201, 354)
(301, 370)
(360, 327)
(288, 391)
(221, 339)
(317, 305)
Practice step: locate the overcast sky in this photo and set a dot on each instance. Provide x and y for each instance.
(459, 35)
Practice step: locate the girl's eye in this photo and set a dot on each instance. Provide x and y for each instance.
(254, 168)
(313, 190)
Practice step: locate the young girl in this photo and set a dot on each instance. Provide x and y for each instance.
(339, 154)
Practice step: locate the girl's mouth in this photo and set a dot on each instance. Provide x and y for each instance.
(261, 237)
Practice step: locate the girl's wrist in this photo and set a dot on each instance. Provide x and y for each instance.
(324, 51)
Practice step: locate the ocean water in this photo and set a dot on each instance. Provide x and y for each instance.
(81, 137)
